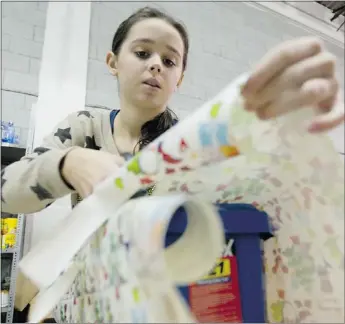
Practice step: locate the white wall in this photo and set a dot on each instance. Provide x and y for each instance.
(22, 34)
(221, 48)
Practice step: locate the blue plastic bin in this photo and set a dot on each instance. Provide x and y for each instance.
(247, 226)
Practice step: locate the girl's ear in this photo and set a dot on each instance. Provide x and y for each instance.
(111, 61)
(180, 81)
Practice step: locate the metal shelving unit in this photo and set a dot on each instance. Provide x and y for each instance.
(9, 250)
(16, 256)
(8, 156)
(4, 309)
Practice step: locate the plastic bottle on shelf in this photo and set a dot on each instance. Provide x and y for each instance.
(11, 132)
(4, 127)
(16, 139)
(4, 298)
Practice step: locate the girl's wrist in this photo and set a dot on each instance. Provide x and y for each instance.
(63, 171)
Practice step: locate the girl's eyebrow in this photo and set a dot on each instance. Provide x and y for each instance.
(150, 41)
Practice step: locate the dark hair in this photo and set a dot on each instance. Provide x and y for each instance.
(162, 122)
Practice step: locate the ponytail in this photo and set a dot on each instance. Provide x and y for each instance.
(156, 127)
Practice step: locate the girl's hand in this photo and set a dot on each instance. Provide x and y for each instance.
(84, 168)
(294, 75)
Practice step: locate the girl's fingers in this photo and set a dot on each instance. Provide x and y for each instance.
(294, 75)
(316, 67)
(314, 92)
(277, 60)
(330, 119)
(310, 94)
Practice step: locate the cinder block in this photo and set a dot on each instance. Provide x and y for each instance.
(91, 83)
(107, 83)
(92, 50)
(26, 47)
(20, 82)
(97, 67)
(23, 136)
(42, 6)
(181, 102)
(16, 28)
(35, 65)
(29, 101)
(39, 34)
(27, 12)
(103, 45)
(22, 118)
(15, 62)
(191, 89)
(101, 98)
(11, 100)
(13, 110)
(5, 42)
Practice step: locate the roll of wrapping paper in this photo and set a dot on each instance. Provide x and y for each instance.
(224, 154)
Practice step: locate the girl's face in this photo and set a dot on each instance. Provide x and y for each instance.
(150, 64)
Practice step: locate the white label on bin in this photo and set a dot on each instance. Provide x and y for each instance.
(228, 248)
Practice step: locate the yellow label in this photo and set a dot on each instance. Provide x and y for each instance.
(221, 269)
(136, 295)
(8, 241)
(9, 225)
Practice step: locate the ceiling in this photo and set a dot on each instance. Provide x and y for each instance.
(336, 7)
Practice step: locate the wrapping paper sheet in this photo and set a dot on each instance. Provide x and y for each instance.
(124, 274)
(223, 154)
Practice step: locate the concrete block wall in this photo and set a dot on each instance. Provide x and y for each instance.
(221, 49)
(227, 38)
(22, 34)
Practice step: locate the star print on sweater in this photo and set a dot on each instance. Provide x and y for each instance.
(63, 134)
(85, 113)
(41, 150)
(41, 193)
(91, 143)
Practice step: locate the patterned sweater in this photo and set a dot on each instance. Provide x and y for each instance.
(34, 182)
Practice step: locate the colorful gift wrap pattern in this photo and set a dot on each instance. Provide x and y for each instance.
(305, 261)
(105, 289)
(223, 154)
(123, 276)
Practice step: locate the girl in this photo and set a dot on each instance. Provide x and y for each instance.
(148, 57)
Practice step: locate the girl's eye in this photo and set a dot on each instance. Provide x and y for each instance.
(168, 63)
(142, 54)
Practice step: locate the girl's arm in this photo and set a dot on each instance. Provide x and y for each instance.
(34, 182)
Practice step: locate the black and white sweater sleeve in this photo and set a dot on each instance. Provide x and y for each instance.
(34, 182)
